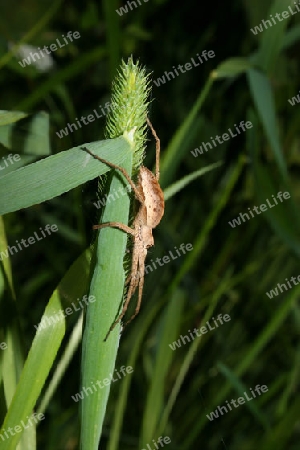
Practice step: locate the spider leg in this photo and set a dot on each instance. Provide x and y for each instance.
(128, 279)
(120, 226)
(141, 285)
(137, 276)
(157, 145)
(123, 171)
(131, 290)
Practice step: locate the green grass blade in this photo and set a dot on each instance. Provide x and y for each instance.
(232, 67)
(263, 99)
(155, 398)
(180, 184)
(57, 174)
(5, 263)
(29, 135)
(137, 337)
(190, 355)
(62, 365)
(10, 117)
(291, 36)
(107, 284)
(283, 218)
(272, 37)
(176, 149)
(41, 356)
(240, 388)
(209, 223)
(280, 434)
(36, 369)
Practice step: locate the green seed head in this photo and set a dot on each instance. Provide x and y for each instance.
(130, 101)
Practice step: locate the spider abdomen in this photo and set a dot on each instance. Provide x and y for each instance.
(153, 195)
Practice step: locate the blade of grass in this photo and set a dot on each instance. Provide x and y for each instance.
(138, 334)
(98, 357)
(56, 174)
(263, 99)
(163, 360)
(272, 37)
(62, 365)
(180, 184)
(191, 353)
(176, 149)
(36, 369)
(240, 388)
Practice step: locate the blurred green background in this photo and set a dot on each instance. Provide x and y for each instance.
(229, 269)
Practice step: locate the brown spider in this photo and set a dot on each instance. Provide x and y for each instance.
(148, 192)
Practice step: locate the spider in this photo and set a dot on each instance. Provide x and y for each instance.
(149, 193)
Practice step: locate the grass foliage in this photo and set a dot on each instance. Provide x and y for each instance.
(229, 270)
